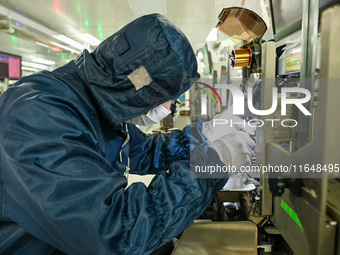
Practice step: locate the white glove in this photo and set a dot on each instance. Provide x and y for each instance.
(235, 149)
(220, 125)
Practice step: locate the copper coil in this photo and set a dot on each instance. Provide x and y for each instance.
(241, 58)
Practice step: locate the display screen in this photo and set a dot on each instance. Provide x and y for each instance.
(10, 66)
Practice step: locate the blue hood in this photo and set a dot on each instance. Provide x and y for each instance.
(62, 166)
(151, 42)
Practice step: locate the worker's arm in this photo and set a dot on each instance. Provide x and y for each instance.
(61, 190)
(151, 155)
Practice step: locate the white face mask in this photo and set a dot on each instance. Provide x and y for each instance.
(153, 116)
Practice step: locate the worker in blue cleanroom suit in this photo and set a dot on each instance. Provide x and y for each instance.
(68, 137)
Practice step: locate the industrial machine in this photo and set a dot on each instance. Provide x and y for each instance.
(296, 209)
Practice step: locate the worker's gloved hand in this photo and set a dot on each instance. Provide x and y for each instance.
(229, 136)
(235, 149)
(224, 123)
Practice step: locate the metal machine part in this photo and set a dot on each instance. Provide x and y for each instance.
(310, 13)
(265, 133)
(305, 218)
(302, 211)
(249, 59)
(241, 57)
(333, 208)
(218, 238)
(289, 62)
(241, 25)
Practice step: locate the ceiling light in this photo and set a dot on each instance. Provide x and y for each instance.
(42, 44)
(29, 69)
(69, 41)
(90, 39)
(40, 28)
(65, 48)
(43, 61)
(23, 20)
(34, 65)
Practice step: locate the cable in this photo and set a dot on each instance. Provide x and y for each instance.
(206, 91)
(212, 89)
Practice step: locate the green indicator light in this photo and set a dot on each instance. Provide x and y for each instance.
(78, 7)
(100, 31)
(86, 23)
(63, 56)
(291, 213)
(14, 40)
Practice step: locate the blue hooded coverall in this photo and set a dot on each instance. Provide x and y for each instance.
(63, 151)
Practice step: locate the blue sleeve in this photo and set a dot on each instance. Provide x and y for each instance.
(152, 155)
(62, 191)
